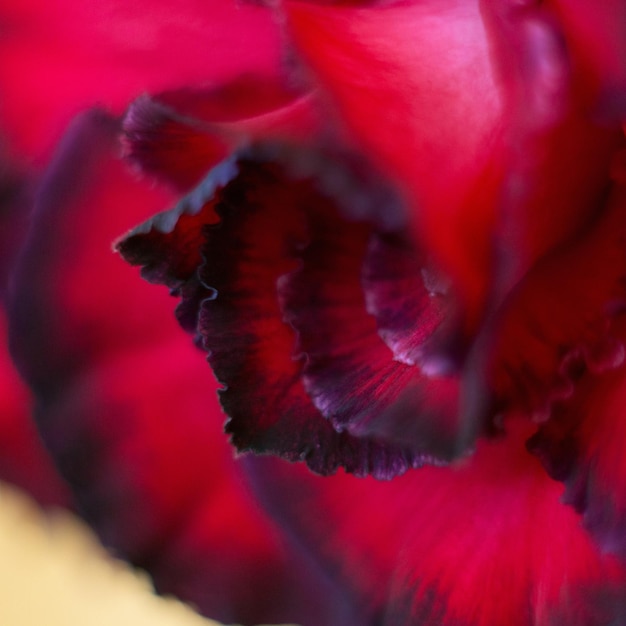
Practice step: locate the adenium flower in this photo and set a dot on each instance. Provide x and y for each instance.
(405, 264)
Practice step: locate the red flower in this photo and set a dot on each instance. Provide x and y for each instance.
(414, 256)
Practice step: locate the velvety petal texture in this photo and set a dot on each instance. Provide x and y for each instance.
(276, 393)
(413, 109)
(127, 406)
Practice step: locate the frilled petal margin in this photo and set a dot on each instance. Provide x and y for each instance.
(557, 323)
(127, 407)
(582, 445)
(290, 245)
(485, 543)
(178, 136)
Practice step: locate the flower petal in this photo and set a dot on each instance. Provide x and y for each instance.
(481, 544)
(350, 374)
(58, 58)
(597, 36)
(582, 445)
(559, 317)
(178, 136)
(404, 77)
(127, 406)
(23, 459)
(404, 295)
(263, 211)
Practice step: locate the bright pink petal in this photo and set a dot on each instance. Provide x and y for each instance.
(482, 544)
(58, 58)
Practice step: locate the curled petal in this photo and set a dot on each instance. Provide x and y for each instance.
(404, 78)
(58, 58)
(404, 295)
(179, 135)
(264, 226)
(127, 407)
(350, 374)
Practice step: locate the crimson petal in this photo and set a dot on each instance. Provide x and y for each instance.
(179, 135)
(484, 543)
(127, 407)
(559, 318)
(582, 445)
(263, 212)
(349, 372)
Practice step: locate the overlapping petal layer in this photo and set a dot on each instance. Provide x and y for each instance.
(127, 406)
(485, 543)
(269, 219)
(58, 58)
(178, 136)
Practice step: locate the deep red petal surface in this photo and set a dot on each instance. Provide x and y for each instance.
(178, 136)
(128, 405)
(233, 304)
(405, 79)
(559, 318)
(349, 372)
(486, 543)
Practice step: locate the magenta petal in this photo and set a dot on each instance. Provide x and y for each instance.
(485, 543)
(58, 58)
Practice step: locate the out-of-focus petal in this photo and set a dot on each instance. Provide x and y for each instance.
(405, 78)
(596, 34)
(58, 58)
(178, 136)
(128, 406)
(582, 445)
(487, 543)
(559, 318)
(23, 459)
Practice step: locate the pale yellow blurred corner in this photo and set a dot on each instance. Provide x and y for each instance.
(53, 572)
